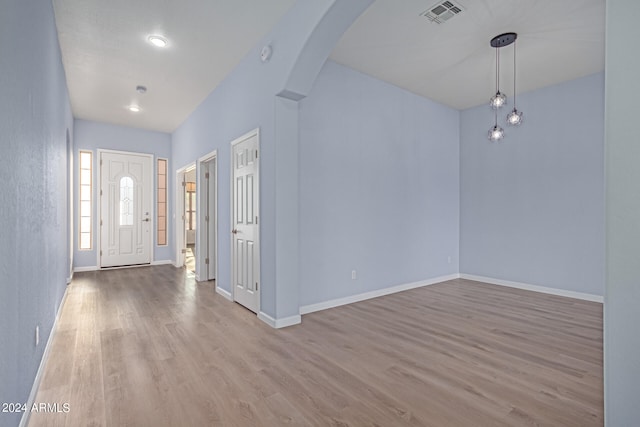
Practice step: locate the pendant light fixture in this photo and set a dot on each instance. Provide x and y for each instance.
(514, 118)
(496, 133)
(499, 99)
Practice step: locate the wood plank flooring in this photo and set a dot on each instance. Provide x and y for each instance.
(152, 347)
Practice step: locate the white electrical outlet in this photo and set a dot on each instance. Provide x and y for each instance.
(354, 276)
(37, 335)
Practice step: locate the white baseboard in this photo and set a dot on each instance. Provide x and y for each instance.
(224, 293)
(280, 323)
(535, 288)
(162, 262)
(90, 268)
(306, 309)
(24, 421)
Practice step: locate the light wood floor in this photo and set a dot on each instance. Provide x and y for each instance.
(151, 347)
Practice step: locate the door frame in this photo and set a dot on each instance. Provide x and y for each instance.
(151, 177)
(201, 237)
(255, 132)
(179, 214)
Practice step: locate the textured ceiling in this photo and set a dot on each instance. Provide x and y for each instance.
(453, 63)
(106, 53)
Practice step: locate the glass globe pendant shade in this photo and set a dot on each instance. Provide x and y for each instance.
(514, 118)
(496, 133)
(498, 100)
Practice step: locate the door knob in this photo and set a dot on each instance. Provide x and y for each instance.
(234, 231)
(146, 220)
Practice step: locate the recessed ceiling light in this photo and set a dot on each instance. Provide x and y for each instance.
(134, 108)
(158, 41)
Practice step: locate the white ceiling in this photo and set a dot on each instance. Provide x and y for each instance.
(453, 63)
(106, 54)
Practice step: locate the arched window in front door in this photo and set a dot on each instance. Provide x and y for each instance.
(126, 201)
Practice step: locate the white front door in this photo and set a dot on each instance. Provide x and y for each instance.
(245, 234)
(126, 185)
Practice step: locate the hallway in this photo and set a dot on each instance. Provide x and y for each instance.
(151, 347)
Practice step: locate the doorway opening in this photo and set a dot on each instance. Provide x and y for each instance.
(185, 220)
(189, 219)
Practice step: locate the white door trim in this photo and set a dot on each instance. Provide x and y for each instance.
(213, 221)
(255, 132)
(98, 234)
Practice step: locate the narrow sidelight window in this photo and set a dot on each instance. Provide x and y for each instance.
(190, 205)
(162, 202)
(86, 191)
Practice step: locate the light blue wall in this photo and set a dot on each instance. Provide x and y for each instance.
(92, 136)
(622, 297)
(34, 118)
(237, 106)
(246, 100)
(379, 186)
(532, 205)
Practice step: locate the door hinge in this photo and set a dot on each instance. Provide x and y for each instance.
(256, 154)
(101, 222)
(256, 219)
(101, 192)
(206, 175)
(206, 260)
(100, 252)
(206, 218)
(184, 184)
(256, 286)
(184, 251)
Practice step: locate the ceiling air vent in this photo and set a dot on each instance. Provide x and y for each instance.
(442, 12)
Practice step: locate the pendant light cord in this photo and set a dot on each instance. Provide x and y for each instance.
(497, 70)
(514, 74)
(497, 84)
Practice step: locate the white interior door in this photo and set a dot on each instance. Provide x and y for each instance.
(245, 233)
(207, 224)
(126, 185)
